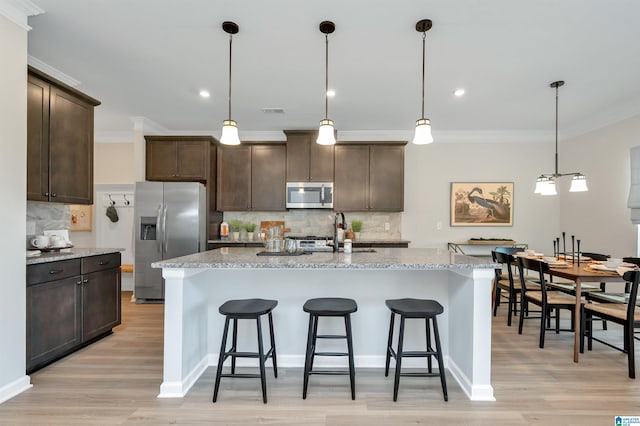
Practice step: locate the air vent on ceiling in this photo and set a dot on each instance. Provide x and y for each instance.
(273, 110)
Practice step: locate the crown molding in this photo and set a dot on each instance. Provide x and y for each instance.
(149, 126)
(18, 11)
(604, 118)
(52, 71)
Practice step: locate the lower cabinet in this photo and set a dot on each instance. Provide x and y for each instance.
(69, 304)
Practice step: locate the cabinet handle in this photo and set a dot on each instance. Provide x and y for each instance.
(54, 195)
(79, 282)
(46, 194)
(104, 262)
(86, 280)
(55, 271)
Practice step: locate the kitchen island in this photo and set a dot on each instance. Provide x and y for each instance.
(196, 285)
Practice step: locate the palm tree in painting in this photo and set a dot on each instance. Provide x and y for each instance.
(500, 194)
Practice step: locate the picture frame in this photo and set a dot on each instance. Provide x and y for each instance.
(81, 218)
(481, 203)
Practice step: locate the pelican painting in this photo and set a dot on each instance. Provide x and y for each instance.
(481, 204)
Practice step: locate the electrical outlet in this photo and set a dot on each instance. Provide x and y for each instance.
(439, 226)
(387, 226)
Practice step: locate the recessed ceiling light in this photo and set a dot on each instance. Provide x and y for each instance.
(205, 93)
(331, 93)
(458, 92)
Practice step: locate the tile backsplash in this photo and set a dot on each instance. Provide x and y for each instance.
(46, 216)
(320, 222)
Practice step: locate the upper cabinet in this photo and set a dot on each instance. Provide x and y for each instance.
(59, 141)
(306, 160)
(178, 158)
(369, 177)
(251, 177)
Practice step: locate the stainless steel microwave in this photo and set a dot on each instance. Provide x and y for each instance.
(309, 195)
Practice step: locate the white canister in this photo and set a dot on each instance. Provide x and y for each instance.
(347, 246)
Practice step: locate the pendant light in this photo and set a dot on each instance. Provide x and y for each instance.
(423, 125)
(326, 133)
(546, 183)
(230, 127)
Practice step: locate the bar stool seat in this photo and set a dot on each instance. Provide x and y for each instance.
(328, 307)
(246, 309)
(420, 309)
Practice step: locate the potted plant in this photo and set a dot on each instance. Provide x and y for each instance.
(250, 227)
(234, 227)
(356, 225)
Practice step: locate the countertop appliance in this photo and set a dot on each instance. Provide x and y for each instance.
(169, 221)
(313, 243)
(309, 195)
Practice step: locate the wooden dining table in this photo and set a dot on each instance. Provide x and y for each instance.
(580, 273)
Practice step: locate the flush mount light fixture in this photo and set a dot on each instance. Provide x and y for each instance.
(546, 183)
(326, 133)
(423, 125)
(458, 93)
(205, 93)
(230, 127)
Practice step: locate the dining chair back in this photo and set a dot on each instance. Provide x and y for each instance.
(504, 280)
(625, 314)
(508, 250)
(596, 256)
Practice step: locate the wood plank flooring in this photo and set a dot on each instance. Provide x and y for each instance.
(116, 381)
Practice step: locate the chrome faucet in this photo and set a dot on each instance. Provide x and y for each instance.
(336, 244)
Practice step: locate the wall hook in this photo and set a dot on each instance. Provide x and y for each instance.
(126, 202)
(113, 203)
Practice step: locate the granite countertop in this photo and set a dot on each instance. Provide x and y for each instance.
(70, 253)
(382, 258)
(361, 241)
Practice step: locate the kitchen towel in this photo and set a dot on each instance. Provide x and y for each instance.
(112, 214)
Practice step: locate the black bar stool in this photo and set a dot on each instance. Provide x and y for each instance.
(328, 307)
(415, 308)
(246, 309)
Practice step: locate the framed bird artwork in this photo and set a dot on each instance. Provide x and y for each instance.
(481, 203)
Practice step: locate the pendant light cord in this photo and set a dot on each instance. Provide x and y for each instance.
(230, 43)
(326, 77)
(556, 130)
(424, 36)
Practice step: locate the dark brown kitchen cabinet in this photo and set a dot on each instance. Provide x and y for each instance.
(59, 141)
(70, 303)
(369, 177)
(306, 160)
(251, 177)
(170, 158)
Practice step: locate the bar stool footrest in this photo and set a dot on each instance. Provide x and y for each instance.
(331, 336)
(330, 372)
(420, 374)
(330, 354)
(241, 375)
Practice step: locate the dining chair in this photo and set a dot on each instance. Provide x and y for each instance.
(547, 300)
(506, 280)
(625, 314)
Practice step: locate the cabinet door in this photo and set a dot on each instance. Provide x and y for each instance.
(161, 160)
(351, 185)
(70, 149)
(268, 176)
(37, 140)
(53, 320)
(297, 157)
(234, 178)
(320, 162)
(386, 178)
(100, 302)
(192, 160)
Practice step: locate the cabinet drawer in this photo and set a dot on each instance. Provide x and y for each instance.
(99, 263)
(43, 272)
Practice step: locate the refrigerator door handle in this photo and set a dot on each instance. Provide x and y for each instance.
(159, 233)
(164, 229)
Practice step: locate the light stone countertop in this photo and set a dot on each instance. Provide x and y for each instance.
(70, 253)
(382, 258)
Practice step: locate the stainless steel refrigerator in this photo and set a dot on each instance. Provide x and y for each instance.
(170, 221)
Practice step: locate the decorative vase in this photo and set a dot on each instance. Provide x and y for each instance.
(357, 235)
(236, 235)
(249, 236)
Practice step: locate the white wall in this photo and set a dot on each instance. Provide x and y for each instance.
(600, 217)
(13, 154)
(430, 169)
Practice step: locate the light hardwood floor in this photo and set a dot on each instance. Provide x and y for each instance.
(116, 381)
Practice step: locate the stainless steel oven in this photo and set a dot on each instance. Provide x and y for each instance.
(309, 195)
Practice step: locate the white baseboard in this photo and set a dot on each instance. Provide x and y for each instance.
(14, 388)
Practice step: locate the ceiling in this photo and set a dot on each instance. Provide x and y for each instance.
(150, 58)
